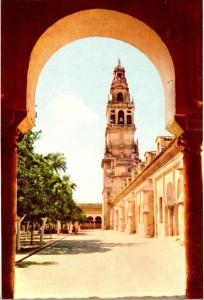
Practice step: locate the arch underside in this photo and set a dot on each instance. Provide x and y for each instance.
(100, 23)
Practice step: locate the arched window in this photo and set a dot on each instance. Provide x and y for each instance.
(121, 117)
(129, 119)
(112, 118)
(120, 97)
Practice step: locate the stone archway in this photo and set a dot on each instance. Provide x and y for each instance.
(102, 23)
(108, 23)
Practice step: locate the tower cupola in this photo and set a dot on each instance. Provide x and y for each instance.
(119, 90)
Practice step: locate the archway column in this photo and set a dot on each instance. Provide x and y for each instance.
(148, 213)
(121, 217)
(112, 221)
(130, 227)
(8, 209)
(116, 116)
(190, 143)
(116, 221)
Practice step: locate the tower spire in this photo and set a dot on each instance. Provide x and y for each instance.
(119, 83)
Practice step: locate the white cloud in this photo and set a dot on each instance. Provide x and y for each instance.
(71, 108)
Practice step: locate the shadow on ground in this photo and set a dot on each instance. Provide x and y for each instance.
(118, 298)
(82, 246)
(26, 264)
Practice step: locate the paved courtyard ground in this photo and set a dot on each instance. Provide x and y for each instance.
(103, 264)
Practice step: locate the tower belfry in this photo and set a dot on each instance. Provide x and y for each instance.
(121, 152)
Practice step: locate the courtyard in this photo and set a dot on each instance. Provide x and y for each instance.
(103, 264)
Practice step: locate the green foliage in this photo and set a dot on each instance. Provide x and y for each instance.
(42, 190)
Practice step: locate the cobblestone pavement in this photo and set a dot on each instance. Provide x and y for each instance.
(104, 264)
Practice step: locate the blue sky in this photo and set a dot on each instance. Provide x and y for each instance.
(72, 95)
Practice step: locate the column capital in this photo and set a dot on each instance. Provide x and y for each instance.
(190, 141)
(10, 136)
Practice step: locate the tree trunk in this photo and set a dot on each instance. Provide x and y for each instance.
(18, 233)
(51, 230)
(42, 229)
(34, 227)
(58, 227)
(27, 227)
(31, 233)
(69, 227)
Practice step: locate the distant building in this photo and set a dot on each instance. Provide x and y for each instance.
(93, 212)
(143, 197)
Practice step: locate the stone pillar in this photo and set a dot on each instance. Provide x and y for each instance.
(116, 220)
(166, 221)
(136, 215)
(121, 217)
(112, 221)
(131, 214)
(8, 210)
(190, 143)
(106, 215)
(148, 213)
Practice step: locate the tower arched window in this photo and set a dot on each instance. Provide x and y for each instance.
(129, 119)
(120, 97)
(112, 117)
(121, 117)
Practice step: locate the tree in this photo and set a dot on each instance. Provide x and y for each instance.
(56, 161)
(42, 191)
(27, 165)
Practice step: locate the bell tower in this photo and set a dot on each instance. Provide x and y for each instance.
(121, 152)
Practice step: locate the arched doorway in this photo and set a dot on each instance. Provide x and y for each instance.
(90, 222)
(98, 222)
